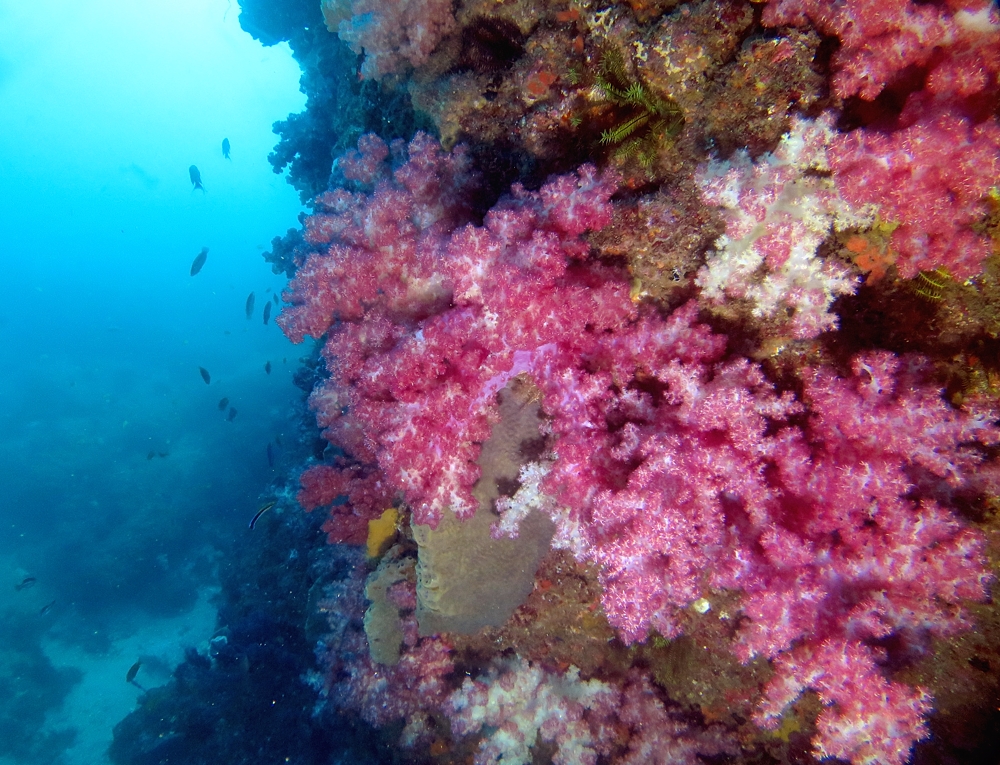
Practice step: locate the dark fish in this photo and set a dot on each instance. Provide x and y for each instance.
(250, 301)
(132, 672)
(223, 404)
(232, 414)
(267, 311)
(270, 455)
(199, 261)
(195, 174)
(276, 302)
(264, 509)
(205, 375)
(225, 148)
(46, 608)
(150, 455)
(267, 367)
(28, 581)
(163, 454)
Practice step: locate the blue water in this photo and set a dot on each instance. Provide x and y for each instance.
(122, 482)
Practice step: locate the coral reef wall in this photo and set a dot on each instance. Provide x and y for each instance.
(738, 261)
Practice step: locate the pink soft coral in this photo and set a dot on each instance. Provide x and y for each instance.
(425, 326)
(930, 175)
(364, 490)
(672, 468)
(518, 704)
(958, 41)
(930, 179)
(845, 559)
(814, 525)
(779, 210)
(867, 719)
(373, 243)
(397, 34)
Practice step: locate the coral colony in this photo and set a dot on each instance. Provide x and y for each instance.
(640, 365)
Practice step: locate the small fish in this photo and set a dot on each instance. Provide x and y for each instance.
(163, 454)
(195, 174)
(232, 414)
(199, 261)
(267, 367)
(46, 608)
(276, 302)
(225, 148)
(27, 582)
(150, 455)
(264, 509)
(267, 311)
(270, 455)
(223, 404)
(132, 672)
(205, 375)
(250, 302)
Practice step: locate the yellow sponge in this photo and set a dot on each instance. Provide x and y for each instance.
(381, 531)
